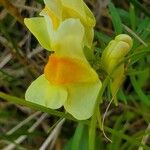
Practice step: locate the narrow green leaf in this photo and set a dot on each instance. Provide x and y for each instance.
(77, 137)
(125, 137)
(140, 7)
(102, 38)
(124, 15)
(67, 146)
(122, 96)
(115, 18)
(20, 101)
(139, 92)
(132, 16)
(115, 143)
(92, 132)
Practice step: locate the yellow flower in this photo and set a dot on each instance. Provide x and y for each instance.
(55, 12)
(68, 78)
(59, 10)
(112, 55)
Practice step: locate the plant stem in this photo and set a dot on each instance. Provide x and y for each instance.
(93, 123)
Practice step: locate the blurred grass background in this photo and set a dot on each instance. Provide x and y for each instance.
(22, 59)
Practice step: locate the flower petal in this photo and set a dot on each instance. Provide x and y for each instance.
(74, 8)
(68, 39)
(46, 94)
(90, 19)
(78, 9)
(81, 99)
(88, 37)
(55, 7)
(38, 27)
(66, 70)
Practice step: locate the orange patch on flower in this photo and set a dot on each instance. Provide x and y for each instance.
(64, 70)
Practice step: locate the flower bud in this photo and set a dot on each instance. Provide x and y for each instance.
(112, 55)
(116, 50)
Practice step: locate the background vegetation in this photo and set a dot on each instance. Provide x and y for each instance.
(22, 60)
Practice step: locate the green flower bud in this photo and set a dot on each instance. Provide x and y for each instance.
(112, 55)
(116, 50)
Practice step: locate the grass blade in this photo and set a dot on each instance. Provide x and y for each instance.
(139, 91)
(115, 18)
(77, 137)
(20, 101)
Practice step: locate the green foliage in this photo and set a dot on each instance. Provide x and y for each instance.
(125, 125)
(115, 18)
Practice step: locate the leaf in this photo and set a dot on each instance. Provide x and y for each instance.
(77, 137)
(23, 102)
(102, 38)
(140, 7)
(92, 132)
(127, 138)
(138, 90)
(133, 19)
(115, 18)
(122, 96)
(117, 126)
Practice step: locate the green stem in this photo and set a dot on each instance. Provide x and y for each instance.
(92, 131)
(93, 123)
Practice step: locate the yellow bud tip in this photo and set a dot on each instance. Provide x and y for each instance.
(125, 38)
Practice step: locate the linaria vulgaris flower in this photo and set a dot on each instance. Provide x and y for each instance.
(68, 78)
(57, 11)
